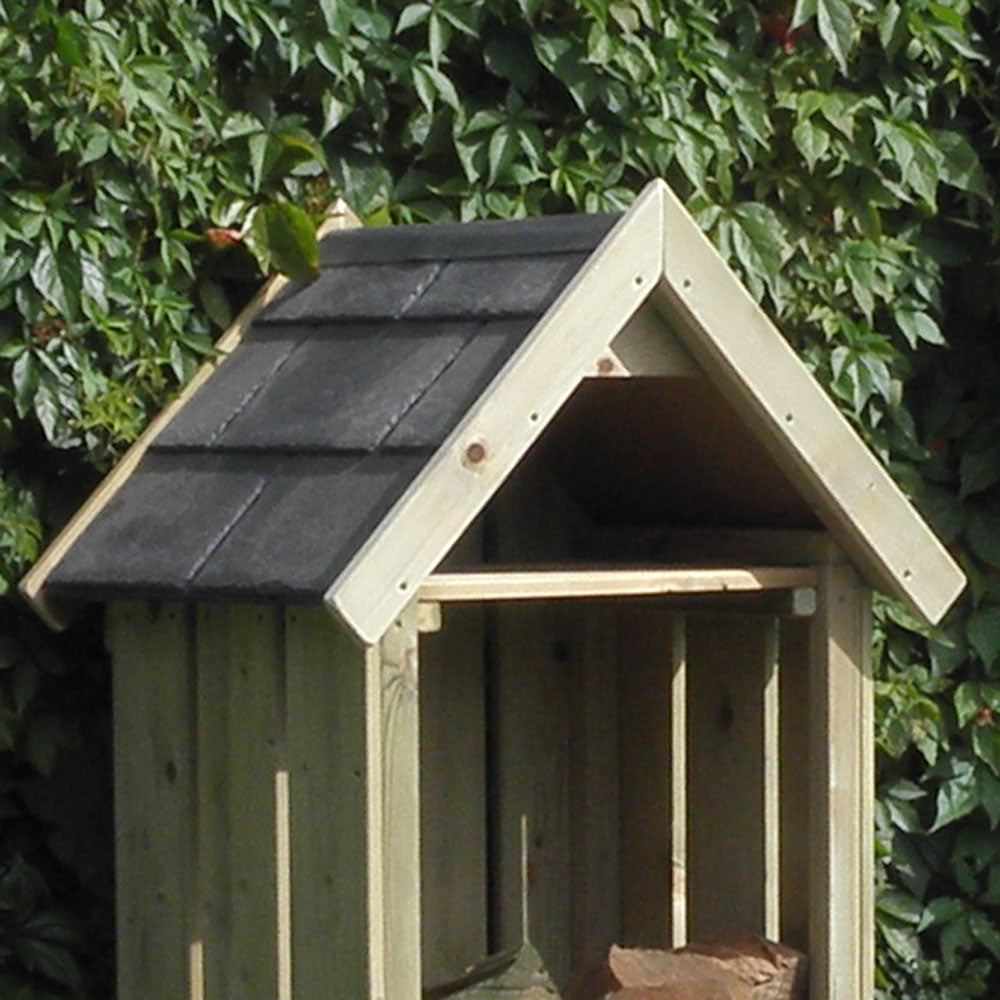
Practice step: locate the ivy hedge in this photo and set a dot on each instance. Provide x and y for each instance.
(157, 157)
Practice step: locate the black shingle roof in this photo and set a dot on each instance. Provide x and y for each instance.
(272, 475)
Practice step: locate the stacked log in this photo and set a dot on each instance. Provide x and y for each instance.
(733, 967)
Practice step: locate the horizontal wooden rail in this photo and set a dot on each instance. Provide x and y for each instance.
(519, 584)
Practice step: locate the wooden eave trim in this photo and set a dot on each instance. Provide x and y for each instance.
(744, 354)
(504, 422)
(515, 585)
(32, 584)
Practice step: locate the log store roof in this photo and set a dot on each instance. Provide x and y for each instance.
(270, 477)
(358, 424)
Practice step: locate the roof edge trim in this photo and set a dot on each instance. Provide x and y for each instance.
(739, 348)
(386, 573)
(58, 615)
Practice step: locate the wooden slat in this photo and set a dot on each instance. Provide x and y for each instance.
(240, 753)
(499, 585)
(726, 780)
(678, 784)
(648, 781)
(841, 895)
(453, 795)
(156, 885)
(32, 585)
(772, 781)
(399, 723)
(534, 659)
(594, 793)
(744, 354)
(325, 685)
(503, 423)
(795, 780)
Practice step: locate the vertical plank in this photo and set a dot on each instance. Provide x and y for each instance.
(649, 835)
(453, 794)
(325, 683)
(794, 653)
(866, 817)
(400, 759)
(772, 780)
(678, 784)
(726, 852)
(533, 659)
(155, 807)
(841, 896)
(593, 811)
(241, 752)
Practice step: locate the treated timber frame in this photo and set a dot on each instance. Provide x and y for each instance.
(279, 745)
(655, 256)
(835, 660)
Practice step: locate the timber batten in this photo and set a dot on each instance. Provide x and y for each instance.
(598, 552)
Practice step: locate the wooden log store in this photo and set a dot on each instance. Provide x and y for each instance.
(542, 518)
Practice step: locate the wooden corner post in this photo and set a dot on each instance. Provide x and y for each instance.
(841, 892)
(394, 811)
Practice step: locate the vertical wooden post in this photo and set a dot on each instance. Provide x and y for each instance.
(841, 807)
(155, 807)
(678, 783)
(653, 780)
(241, 752)
(772, 783)
(325, 685)
(394, 778)
(727, 781)
(453, 793)
(593, 792)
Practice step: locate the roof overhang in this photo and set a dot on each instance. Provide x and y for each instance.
(655, 255)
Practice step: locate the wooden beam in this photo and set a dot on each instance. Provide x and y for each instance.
(841, 887)
(678, 784)
(646, 347)
(513, 585)
(503, 423)
(33, 583)
(739, 348)
(394, 776)
(156, 889)
(325, 694)
(772, 782)
(240, 828)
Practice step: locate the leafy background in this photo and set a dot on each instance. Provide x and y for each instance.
(157, 157)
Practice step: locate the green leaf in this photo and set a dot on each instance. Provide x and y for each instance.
(510, 57)
(58, 277)
(988, 788)
(289, 240)
(956, 797)
(979, 470)
(986, 743)
(983, 535)
(917, 325)
(812, 141)
(804, 10)
(334, 112)
(835, 22)
(503, 147)
(412, 15)
(983, 629)
(985, 932)
(940, 911)
(215, 303)
(70, 42)
(901, 905)
(967, 701)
